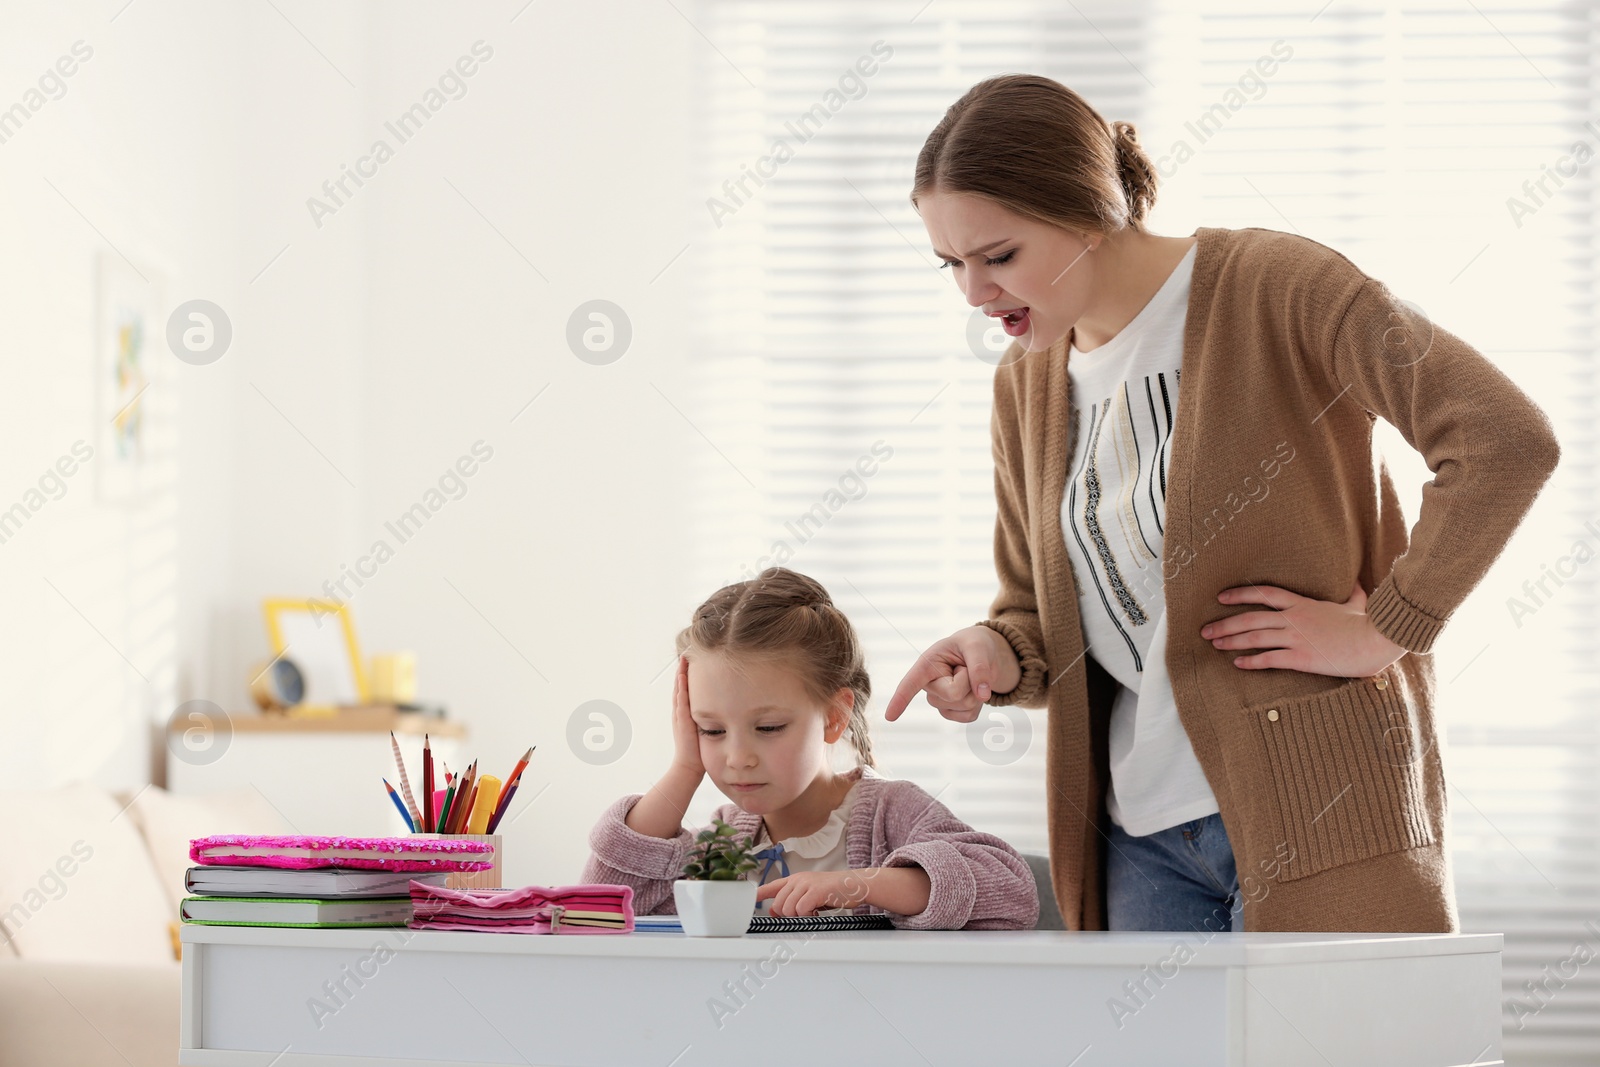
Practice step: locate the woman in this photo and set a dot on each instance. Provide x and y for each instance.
(1216, 599)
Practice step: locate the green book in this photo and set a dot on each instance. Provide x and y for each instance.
(296, 911)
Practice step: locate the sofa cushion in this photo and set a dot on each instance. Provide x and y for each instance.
(76, 882)
(89, 1015)
(171, 820)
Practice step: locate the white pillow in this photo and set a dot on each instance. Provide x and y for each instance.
(171, 820)
(76, 882)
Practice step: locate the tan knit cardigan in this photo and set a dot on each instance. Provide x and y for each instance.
(1331, 789)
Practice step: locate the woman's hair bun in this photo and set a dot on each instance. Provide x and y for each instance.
(1039, 149)
(1138, 174)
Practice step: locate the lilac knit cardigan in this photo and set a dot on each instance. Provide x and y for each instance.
(978, 882)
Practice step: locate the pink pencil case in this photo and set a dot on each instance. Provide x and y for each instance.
(532, 909)
(299, 852)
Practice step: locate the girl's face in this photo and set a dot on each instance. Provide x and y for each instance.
(762, 737)
(1035, 279)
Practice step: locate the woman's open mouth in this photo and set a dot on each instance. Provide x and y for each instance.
(1015, 321)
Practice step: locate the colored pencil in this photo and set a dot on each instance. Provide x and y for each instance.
(458, 787)
(472, 798)
(404, 814)
(444, 809)
(511, 784)
(477, 786)
(405, 782)
(467, 788)
(427, 786)
(457, 804)
(522, 765)
(500, 810)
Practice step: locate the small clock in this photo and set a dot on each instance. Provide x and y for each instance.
(277, 684)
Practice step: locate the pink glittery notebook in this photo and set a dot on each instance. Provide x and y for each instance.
(299, 852)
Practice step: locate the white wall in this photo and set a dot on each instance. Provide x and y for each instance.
(370, 355)
(174, 146)
(572, 142)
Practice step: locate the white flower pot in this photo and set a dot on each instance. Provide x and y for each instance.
(715, 909)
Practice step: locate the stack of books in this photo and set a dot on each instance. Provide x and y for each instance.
(327, 897)
(316, 881)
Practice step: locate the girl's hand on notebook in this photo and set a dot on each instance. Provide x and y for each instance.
(959, 673)
(903, 890)
(685, 733)
(808, 892)
(1302, 634)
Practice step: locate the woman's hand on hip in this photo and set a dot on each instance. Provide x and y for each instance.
(958, 673)
(1302, 634)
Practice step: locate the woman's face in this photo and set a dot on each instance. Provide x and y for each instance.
(762, 737)
(1034, 278)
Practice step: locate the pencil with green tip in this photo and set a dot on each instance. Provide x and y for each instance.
(444, 809)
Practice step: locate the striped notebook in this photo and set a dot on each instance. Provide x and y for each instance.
(777, 924)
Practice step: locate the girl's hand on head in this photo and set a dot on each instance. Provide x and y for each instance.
(1302, 634)
(808, 892)
(685, 734)
(959, 673)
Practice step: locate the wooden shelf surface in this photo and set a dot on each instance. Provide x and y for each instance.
(373, 719)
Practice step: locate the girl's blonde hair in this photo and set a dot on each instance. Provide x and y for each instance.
(1037, 148)
(784, 615)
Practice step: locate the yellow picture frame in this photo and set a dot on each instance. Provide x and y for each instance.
(330, 678)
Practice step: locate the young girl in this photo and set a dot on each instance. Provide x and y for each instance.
(770, 674)
(1204, 571)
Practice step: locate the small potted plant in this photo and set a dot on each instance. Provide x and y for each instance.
(714, 897)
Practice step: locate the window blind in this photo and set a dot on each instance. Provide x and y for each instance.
(829, 331)
(1400, 134)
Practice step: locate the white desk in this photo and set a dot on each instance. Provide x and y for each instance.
(250, 996)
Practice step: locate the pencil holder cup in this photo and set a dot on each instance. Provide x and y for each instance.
(489, 879)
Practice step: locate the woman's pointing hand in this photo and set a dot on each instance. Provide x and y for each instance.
(959, 673)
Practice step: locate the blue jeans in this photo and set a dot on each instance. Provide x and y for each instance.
(1181, 878)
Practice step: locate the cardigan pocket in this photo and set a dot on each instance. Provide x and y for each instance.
(1342, 776)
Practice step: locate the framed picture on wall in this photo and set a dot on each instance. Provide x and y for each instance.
(127, 339)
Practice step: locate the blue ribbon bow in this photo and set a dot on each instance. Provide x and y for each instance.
(773, 854)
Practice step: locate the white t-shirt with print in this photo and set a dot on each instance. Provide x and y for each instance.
(1125, 400)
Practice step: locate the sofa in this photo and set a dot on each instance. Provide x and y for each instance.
(89, 888)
